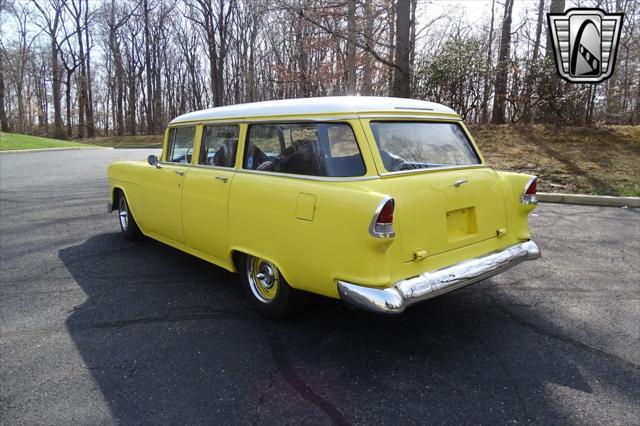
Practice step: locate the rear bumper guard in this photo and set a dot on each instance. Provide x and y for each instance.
(394, 300)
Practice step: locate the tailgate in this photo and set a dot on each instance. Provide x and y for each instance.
(437, 211)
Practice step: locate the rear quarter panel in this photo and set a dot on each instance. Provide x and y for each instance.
(264, 220)
(513, 185)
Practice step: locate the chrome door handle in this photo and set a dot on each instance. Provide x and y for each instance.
(179, 172)
(222, 178)
(459, 182)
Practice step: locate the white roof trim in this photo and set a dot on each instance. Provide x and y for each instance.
(315, 106)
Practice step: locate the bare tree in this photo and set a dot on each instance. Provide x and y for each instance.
(4, 123)
(52, 16)
(499, 105)
(88, 85)
(487, 81)
(402, 70)
(532, 69)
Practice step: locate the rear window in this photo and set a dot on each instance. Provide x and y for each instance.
(420, 145)
(313, 149)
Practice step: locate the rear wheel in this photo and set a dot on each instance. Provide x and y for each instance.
(268, 291)
(128, 225)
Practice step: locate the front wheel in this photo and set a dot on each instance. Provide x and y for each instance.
(266, 288)
(128, 225)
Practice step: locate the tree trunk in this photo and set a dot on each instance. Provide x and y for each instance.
(502, 72)
(487, 80)
(91, 131)
(636, 110)
(147, 64)
(67, 97)
(392, 38)
(132, 101)
(351, 47)
(532, 70)
(55, 88)
(367, 70)
(82, 79)
(157, 92)
(401, 73)
(4, 123)
(557, 6)
(114, 46)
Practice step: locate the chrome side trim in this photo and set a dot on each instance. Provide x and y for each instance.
(307, 177)
(389, 233)
(395, 299)
(434, 169)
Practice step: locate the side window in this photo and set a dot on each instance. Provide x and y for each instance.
(219, 145)
(314, 149)
(180, 148)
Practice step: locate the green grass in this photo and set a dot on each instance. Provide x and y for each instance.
(150, 141)
(13, 141)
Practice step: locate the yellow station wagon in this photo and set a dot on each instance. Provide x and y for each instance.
(381, 202)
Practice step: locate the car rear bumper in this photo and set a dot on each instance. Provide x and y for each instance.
(394, 299)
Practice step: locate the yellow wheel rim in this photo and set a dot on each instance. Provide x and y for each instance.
(264, 279)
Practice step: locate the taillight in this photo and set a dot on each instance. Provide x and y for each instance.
(530, 191)
(382, 222)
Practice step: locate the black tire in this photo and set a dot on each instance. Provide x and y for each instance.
(128, 225)
(278, 303)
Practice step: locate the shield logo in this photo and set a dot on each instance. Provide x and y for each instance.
(585, 43)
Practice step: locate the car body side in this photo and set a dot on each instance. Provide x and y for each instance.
(315, 229)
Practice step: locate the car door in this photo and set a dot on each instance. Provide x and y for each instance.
(205, 192)
(163, 186)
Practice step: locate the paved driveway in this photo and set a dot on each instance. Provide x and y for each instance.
(95, 329)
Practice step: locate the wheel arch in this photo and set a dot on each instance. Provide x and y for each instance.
(237, 253)
(132, 195)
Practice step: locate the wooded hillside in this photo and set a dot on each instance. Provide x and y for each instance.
(80, 68)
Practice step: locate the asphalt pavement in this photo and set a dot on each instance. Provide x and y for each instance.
(98, 330)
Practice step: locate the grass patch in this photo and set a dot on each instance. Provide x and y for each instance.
(13, 141)
(583, 160)
(150, 141)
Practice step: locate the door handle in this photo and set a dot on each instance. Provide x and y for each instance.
(222, 178)
(179, 172)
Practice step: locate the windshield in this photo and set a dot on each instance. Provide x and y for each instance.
(420, 145)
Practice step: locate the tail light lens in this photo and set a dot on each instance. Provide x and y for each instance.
(530, 191)
(382, 222)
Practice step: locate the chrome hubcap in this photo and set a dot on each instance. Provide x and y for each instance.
(124, 213)
(263, 279)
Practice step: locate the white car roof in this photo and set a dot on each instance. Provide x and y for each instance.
(315, 106)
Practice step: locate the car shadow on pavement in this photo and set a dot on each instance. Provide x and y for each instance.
(169, 338)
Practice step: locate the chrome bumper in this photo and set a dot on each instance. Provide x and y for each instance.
(394, 300)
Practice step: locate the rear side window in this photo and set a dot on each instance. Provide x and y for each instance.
(313, 149)
(219, 145)
(419, 145)
(180, 148)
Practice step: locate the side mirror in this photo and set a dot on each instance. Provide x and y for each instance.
(153, 161)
